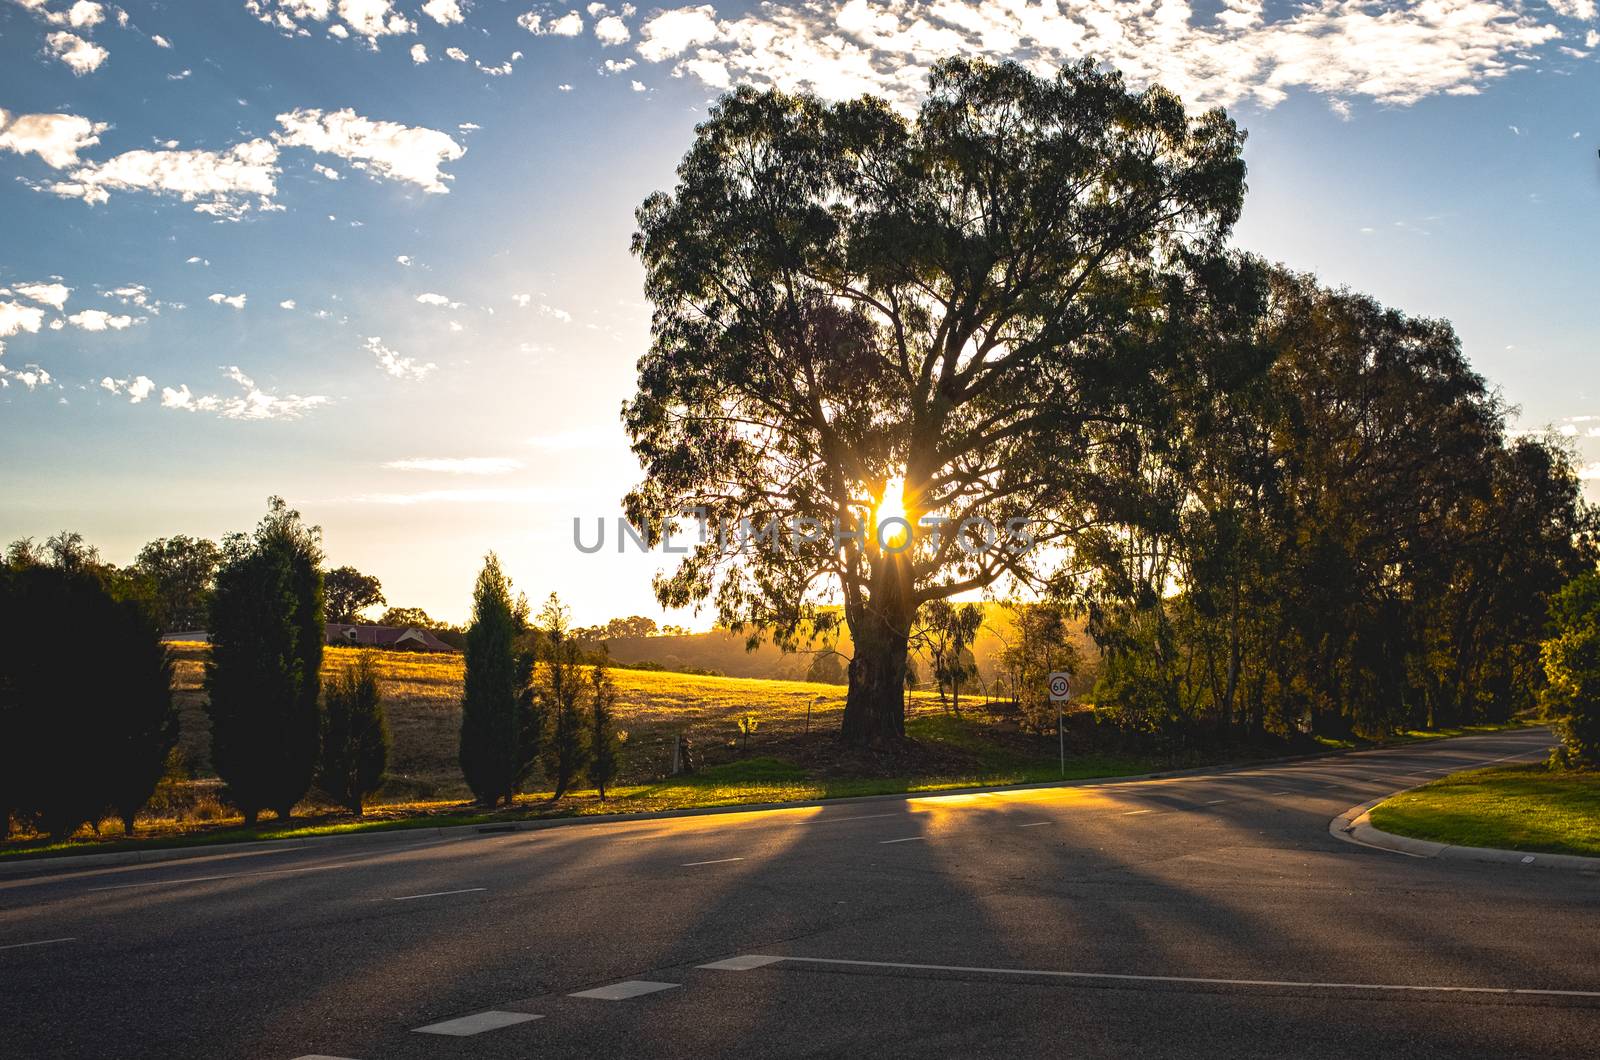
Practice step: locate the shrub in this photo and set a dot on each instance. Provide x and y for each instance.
(266, 652)
(355, 736)
(1572, 668)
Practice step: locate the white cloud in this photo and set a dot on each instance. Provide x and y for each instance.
(617, 66)
(1580, 9)
(404, 259)
(237, 301)
(325, 171)
(374, 18)
(1388, 51)
(382, 148)
(568, 25)
(479, 495)
(522, 299)
(396, 365)
(195, 259)
(555, 314)
(79, 55)
(219, 182)
(16, 317)
(1589, 471)
(159, 41)
(30, 376)
(611, 30)
(55, 138)
(287, 303)
(50, 294)
(138, 388)
(638, 86)
(100, 320)
(671, 33)
(419, 53)
(467, 465)
(253, 404)
(457, 54)
(444, 12)
(435, 299)
(563, 88)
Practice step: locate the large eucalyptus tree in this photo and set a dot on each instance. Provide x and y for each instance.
(959, 303)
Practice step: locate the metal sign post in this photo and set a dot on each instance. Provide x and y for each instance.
(1060, 692)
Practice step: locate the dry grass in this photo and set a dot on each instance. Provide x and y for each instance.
(422, 694)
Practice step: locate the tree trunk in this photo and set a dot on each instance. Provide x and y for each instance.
(880, 629)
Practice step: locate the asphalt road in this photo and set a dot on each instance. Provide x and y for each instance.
(1200, 916)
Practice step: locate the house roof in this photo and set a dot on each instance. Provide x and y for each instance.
(405, 638)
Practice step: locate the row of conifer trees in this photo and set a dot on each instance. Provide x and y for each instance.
(88, 722)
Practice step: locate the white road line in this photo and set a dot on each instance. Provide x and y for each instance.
(1130, 813)
(713, 861)
(1194, 980)
(438, 894)
(477, 1023)
(742, 964)
(907, 839)
(630, 988)
(1214, 802)
(41, 942)
(1035, 824)
(1277, 793)
(319, 1056)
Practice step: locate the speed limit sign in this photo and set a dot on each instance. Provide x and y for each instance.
(1058, 688)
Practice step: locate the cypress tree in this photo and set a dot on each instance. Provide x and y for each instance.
(263, 678)
(561, 690)
(495, 749)
(355, 736)
(604, 741)
(138, 717)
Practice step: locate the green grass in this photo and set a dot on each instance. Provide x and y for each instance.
(1522, 807)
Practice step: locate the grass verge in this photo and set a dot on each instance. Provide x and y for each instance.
(1520, 807)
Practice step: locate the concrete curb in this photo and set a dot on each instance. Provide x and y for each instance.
(55, 863)
(1355, 826)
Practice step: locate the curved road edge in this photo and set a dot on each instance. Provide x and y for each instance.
(1355, 826)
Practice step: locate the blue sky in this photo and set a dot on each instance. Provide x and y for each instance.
(439, 315)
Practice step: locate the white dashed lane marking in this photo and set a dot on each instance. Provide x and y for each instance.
(907, 839)
(1130, 813)
(713, 861)
(477, 1023)
(624, 990)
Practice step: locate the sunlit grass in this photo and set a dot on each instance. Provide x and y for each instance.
(1521, 807)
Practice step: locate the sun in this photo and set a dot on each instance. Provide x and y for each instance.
(892, 506)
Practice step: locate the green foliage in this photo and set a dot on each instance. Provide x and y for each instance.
(1038, 646)
(355, 736)
(947, 631)
(747, 724)
(1572, 667)
(350, 592)
(561, 693)
(78, 741)
(263, 678)
(605, 742)
(498, 744)
(827, 668)
(960, 298)
(177, 574)
(406, 618)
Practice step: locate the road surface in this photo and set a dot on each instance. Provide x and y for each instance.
(1196, 916)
